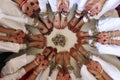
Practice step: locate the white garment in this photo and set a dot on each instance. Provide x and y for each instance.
(54, 75)
(16, 63)
(15, 76)
(111, 70)
(85, 74)
(53, 4)
(12, 17)
(81, 5)
(43, 5)
(45, 74)
(11, 47)
(109, 24)
(39, 75)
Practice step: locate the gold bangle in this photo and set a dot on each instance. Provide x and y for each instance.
(98, 76)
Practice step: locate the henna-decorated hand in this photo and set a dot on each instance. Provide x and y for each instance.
(39, 59)
(63, 5)
(47, 51)
(104, 40)
(30, 7)
(52, 54)
(59, 58)
(94, 67)
(43, 29)
(60, 75)
(66, 76)
(103, 34)
(74, 54)
(37, 44)
(66, 57)
(90, 4)
(19, 36)
(43, 65)
(95, 9)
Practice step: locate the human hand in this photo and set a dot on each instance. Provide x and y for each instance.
(94, 67)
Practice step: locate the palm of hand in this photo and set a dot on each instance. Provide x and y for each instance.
(94, 67)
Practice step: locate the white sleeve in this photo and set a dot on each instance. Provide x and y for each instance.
(11, 47)
(108, 49)
(108, 24)
(81, 4)
(86, 75)
(15, 76)
(53, 4)
(14, 64)
(43, 5)
(110, 69)
(22, 18)
(45, 74)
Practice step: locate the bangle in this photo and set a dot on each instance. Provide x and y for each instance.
(88, 54)
(36, 63)
(100, 75)
(35, 73)
(58, 66)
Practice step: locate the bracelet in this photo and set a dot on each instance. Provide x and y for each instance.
(98, 76)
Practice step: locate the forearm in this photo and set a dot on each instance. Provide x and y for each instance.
(106, 76)
(6, 30)
(34, 74)
(115, 42)
(30, 66)
(114, 33)
(5, 38)
(102, 2)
